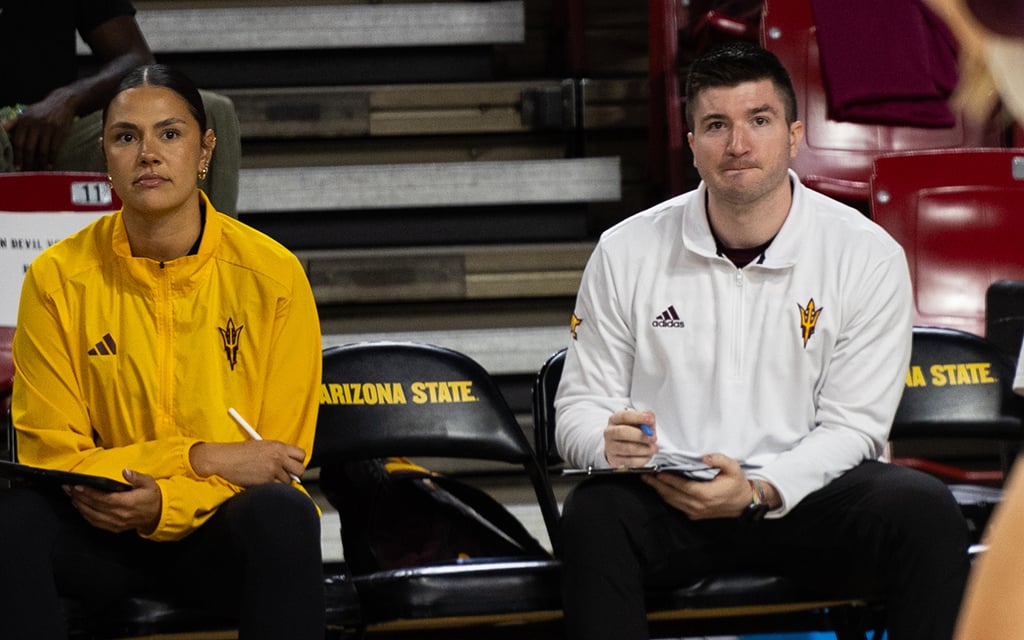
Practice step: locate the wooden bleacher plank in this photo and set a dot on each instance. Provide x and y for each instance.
(428, 109)
(385, 275)
(501, 351)
(338, 26)
(284, 189)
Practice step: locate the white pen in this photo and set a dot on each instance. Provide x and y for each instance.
(237, 417)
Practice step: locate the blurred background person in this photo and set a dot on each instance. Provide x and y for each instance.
(51, 119)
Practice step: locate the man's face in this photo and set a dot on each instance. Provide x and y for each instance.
(741, 143)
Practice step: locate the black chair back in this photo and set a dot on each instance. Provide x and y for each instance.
(382, 399)
(1004, 316)
(544, 389)
(959, 419)
(959, 386)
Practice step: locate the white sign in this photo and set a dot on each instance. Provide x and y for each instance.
(23, 236)
(91, 194)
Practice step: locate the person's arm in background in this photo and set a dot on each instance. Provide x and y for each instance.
(976, 96)
(38, 132)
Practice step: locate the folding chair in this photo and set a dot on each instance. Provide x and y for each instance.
(958, 392)
(725, 603)
(959, 387)
(836, 157)
(956, 212)
(423, 400)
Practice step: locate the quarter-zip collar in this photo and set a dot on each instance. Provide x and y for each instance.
(698, 238)
(181, 274)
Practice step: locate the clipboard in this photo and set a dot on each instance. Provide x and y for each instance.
(678, 463)
(53, 477)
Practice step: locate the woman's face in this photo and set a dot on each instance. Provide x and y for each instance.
(154, 149)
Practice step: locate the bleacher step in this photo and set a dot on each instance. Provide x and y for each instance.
(170, 29)
(400, 275)
(282, 189)
(501, 351)
(438, 109)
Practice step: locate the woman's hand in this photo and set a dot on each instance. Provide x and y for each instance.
(117, 511)
(248, 463)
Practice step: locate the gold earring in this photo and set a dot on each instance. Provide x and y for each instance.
(202, 174)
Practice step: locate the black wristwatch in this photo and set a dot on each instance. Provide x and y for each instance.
(758, 504)
(754, 512)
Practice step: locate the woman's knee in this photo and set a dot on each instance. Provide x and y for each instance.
(278, 511)
(26, 514)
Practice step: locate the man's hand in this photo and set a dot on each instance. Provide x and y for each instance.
(117, 511)
(248, 463)
(38, 132)
(724, 497)
(625, 444)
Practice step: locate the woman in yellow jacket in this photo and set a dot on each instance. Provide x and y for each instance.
(135, 336)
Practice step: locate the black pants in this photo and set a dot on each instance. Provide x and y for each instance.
(879, 525)
(259, 556)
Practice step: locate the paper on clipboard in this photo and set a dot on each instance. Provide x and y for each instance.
(663, 462)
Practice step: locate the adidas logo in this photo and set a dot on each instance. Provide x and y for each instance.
(105, 347)
(668, 319)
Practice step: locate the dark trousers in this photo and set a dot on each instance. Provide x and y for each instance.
(258, 556)
(878, 526)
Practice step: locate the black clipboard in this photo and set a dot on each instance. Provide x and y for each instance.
(702, 473)
(663, 462)
(53, 477)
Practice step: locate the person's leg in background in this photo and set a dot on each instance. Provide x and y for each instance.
(81, 149)
(6, 153)
(221, 184)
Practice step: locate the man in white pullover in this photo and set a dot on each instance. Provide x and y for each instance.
(751, 321)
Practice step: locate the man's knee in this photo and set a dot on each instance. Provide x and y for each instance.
(602, 504)
(920, 505)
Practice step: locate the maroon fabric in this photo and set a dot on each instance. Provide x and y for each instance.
(1005, 17)
(887, 62)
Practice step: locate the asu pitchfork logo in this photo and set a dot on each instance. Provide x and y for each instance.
(808, 319)
(229, 336)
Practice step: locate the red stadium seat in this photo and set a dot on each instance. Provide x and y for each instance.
(836, 157)
(958, 215)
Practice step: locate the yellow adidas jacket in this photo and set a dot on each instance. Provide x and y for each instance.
(124, 362)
